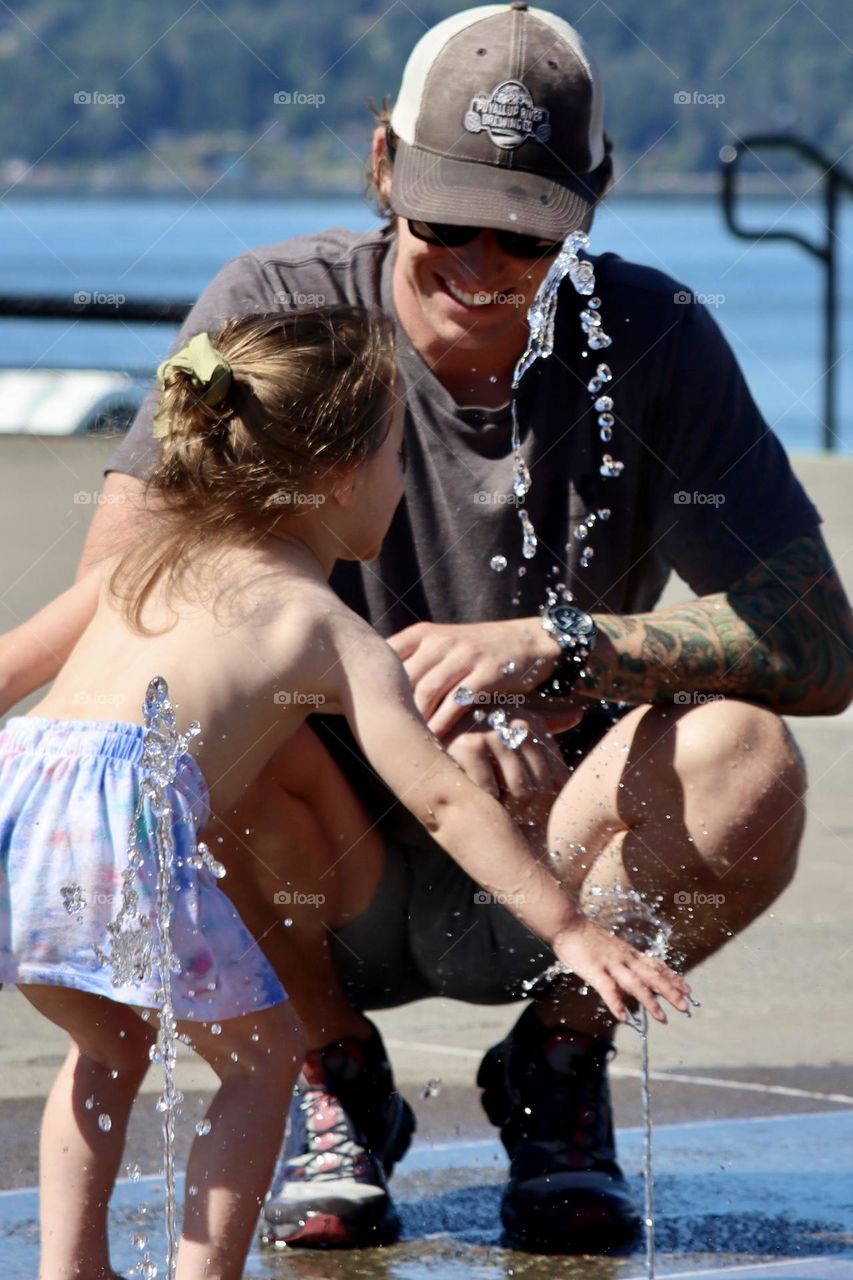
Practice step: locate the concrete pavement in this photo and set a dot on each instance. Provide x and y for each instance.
(774, 1035)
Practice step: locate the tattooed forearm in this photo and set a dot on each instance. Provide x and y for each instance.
(781, 635)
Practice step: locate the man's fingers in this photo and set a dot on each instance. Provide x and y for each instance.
(469, 754)
(439, 681)
(447, 715)
(560, 718)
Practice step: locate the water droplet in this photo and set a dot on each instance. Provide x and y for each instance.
(597, 340)
(464, 696)
(498, 563)
(581, 532)
(604, 513)
(192, 1190)
(604, 403)
(605, 434)
(139, 1241)
(254, 1037)
(594, 386)
(432, 1088)
(521, 477)
(104, 1122)
(287, 922)
(203, 1127)
(508, 668)
(611, 467)
(215, 1029)
(604, 373)
(531, 542)
(73, 899)
(89, 1103)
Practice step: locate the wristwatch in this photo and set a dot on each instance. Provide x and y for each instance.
(573, 629)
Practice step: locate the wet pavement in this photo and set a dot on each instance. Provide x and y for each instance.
(768, 1197)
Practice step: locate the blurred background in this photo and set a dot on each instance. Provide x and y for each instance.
(143, 146)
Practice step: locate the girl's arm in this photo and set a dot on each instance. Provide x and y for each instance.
(376, 697)
(33, 652)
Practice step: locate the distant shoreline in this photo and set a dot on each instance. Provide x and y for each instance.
(683, 187)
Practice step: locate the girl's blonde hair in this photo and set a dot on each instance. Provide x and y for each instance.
(310, 391)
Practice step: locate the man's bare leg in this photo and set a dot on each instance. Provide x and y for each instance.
(699, 809)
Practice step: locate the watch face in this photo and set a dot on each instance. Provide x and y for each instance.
(572, 621)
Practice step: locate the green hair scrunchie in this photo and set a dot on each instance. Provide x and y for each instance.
(210, 372)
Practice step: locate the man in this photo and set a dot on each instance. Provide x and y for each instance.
(495, 151)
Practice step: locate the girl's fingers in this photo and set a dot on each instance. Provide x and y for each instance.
(611, 994)
(631, 982)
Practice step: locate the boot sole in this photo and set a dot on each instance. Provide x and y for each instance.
(326, 1229)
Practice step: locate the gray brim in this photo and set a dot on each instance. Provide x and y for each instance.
(437, 188)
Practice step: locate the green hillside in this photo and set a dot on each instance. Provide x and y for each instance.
(170, 93)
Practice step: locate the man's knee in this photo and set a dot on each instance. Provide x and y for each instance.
(742, 757)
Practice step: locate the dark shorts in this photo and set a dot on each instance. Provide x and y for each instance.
(430, 930)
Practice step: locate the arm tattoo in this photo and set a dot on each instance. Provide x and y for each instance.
(781, 635)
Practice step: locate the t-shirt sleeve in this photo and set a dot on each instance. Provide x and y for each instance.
(727, 496)
(242, 286)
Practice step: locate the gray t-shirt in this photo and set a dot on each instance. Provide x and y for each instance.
(686, 428)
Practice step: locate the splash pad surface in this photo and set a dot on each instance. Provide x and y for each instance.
(752, 1199)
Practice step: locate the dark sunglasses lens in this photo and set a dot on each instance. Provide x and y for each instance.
(444, 233)
(519, 246)
(452, 236)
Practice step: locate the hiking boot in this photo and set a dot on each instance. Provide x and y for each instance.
(346, 1130)
(547, 1090)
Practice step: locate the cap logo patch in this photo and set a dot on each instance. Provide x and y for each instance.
(509, 116)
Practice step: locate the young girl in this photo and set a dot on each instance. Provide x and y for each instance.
(282, 451)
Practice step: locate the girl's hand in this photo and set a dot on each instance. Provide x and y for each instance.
(616, 969)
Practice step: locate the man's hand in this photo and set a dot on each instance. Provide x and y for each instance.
(486, 657)
(528, 779)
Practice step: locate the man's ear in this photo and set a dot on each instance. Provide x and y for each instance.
(378, 154)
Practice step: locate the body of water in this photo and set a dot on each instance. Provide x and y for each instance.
(767, 296)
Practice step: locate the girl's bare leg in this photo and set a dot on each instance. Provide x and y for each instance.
(80, 1153)
(256, 1058)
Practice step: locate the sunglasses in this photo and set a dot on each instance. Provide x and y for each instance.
(451, 236)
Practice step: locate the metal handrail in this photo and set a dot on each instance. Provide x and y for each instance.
(38, 307)
(835, 182)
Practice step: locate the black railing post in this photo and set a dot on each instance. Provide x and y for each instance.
(835, 182)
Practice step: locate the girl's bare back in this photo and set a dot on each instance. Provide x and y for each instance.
(239, 646)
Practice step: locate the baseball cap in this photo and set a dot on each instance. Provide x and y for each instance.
(499, 123)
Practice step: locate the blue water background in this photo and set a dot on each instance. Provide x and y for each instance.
(766, 296)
